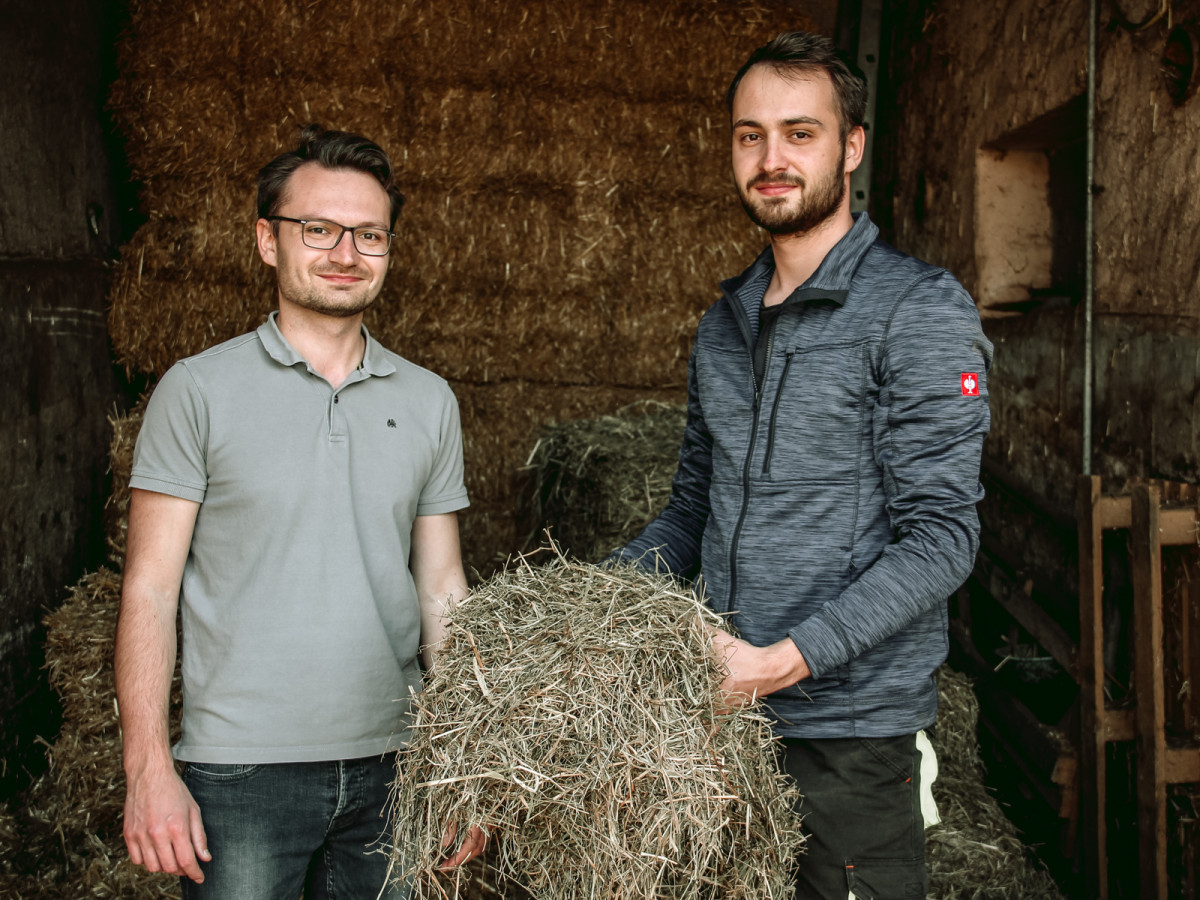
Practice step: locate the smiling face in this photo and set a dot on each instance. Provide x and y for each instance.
(790, 163)
(340, 282)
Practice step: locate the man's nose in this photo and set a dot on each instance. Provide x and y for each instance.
(344, 251)
(773, 159)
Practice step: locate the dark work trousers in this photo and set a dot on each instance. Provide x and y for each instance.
(862, 815)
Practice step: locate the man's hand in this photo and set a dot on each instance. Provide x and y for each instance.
(163, 830)
(754, 672)
(472, 846)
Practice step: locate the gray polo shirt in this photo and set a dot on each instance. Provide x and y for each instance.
(300, 618)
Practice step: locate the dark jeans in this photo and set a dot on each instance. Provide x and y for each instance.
(277, 830)
(862, 816)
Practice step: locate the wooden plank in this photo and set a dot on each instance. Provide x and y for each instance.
(1182, 765)
(1093, 513)
(1119, 725)
(1112, 512)
(1018, 598)
(1150, 689)
(1178, 527)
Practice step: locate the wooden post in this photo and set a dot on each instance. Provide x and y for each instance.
(1092, 725)
(1150, 689)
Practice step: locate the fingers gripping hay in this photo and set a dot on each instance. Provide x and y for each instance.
(574, 713)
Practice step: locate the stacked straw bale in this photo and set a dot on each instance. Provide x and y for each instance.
(575, 713)
(66, 833)
(975, 853)
(566, 167)
(594, 483)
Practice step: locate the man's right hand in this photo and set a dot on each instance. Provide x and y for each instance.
(163, 830)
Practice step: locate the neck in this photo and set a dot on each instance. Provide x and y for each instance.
(333, 346)
(797, 256)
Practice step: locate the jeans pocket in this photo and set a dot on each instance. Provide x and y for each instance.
(887, 879)
(219, 773)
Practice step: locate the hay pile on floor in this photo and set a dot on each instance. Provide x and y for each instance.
(975, 853)
(572, 713)
(595, 483)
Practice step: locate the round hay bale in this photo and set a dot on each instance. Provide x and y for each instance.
(575, 714)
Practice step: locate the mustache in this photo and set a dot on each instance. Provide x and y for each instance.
(356, 271)
(768, 178)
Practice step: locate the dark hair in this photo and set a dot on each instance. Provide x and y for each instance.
(800, 51)
(333, 150)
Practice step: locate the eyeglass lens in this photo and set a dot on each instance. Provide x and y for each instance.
(322, 235)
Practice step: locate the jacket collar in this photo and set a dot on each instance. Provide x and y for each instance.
(832, 279)
(375, 361)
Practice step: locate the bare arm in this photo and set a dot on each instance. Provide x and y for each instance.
(436, 564)
(163, 830)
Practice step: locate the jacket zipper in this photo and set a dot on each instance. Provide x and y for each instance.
(787, 365)
(737, 531)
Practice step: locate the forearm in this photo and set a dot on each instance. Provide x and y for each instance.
(144, 664)
(436, 564)
(436, 605)
(909, 579)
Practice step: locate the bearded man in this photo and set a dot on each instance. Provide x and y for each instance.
(295, 492)
(827, 481)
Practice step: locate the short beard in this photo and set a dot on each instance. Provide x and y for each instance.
(816, 206)
(315, 302)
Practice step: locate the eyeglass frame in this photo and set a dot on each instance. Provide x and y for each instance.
(352, 229)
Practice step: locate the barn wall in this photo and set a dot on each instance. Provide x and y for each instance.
(58, 228)
(975, 86)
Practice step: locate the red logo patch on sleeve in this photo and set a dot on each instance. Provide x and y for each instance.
(970, 384)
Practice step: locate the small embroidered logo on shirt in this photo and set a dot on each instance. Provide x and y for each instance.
(391, 423)
(970, 384)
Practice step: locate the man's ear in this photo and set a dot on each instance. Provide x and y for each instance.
(267, 241)
(856, 144)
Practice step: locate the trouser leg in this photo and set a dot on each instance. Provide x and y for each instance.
(353, 862)
(278, 830)
(862, 817)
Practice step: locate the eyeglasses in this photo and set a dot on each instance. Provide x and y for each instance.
(321, 234)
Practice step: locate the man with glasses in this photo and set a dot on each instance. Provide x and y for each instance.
(295, 493)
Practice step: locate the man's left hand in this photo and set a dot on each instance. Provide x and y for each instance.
(472, 846)
(755, 672)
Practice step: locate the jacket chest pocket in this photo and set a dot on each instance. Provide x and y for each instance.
(816, 401)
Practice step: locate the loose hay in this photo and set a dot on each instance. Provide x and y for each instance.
(596, 482)
(974, 853)
(573, 713)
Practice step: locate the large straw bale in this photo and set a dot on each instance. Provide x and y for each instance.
(500, 422)
(580, 107)
(975, 852)
(575, 712)
(125, 428)
(595, 483)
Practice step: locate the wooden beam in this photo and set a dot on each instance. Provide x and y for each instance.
(1150, 689)
(1178, 527)
(1019, 599)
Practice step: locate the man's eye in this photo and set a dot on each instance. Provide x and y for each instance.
(370, 237)
(317, 228)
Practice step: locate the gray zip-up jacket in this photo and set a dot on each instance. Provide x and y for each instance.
(835, 502)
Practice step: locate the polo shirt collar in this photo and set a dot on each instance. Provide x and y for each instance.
(375, 360)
